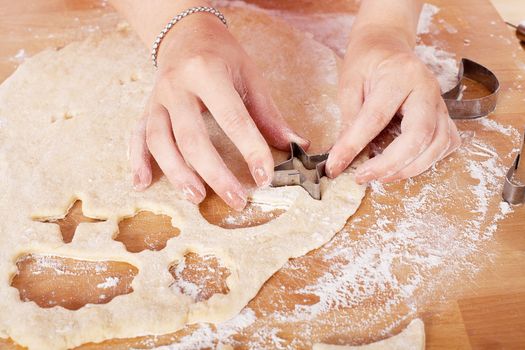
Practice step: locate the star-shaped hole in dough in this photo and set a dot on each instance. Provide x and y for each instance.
(69, 223)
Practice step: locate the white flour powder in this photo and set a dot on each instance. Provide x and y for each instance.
(413, 250)
(417, 247)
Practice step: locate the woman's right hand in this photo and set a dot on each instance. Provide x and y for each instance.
(202, 67)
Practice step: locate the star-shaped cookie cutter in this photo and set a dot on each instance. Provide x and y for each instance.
(286, 174)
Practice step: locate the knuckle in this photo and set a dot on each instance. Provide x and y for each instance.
(152, 134)
(259, 154)
(378, 117)
(220, 180)
(455, 140)
(203, 62)
(233, 120)
(412, 65)
(347, 150)
(167, 84)
(197, 63)
(427, 131)
(189, 143)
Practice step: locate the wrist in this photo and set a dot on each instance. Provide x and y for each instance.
(387, 38)
(148, 18)
(190, 34)
(396, 20)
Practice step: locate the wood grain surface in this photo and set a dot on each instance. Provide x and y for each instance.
(481, 311)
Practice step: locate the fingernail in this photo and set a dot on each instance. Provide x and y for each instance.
(298, 139)
(236, 200)
(260, 176)
(364, 174)
(137, 185)
(333, 170)
(193, 194)
(141, 179)
(362, 178)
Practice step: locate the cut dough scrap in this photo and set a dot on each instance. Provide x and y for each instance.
(65, 121)
(411, 338)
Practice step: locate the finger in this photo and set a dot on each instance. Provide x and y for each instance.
(455, 138)
(229, 110)
(350, 96)
(139, 156)
(265, 113)
(378, 109)
(440, 143)
(445, 141)
(420, 117)
(195, 145)
(162, 146)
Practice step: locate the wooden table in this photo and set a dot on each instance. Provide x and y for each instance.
(485, 313)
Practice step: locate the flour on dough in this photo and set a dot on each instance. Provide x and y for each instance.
(411, 338)
(67, 119)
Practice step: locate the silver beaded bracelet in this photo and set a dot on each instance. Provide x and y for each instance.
(174, 20)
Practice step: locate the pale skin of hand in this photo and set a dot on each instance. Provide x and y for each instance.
(382, 76)
(202, 67)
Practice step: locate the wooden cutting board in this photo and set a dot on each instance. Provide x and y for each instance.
(478, 306)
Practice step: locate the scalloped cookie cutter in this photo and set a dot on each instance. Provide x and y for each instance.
(459, 108)
(513, 189)
(287, 174)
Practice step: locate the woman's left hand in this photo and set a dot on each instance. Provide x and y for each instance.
(382, 76)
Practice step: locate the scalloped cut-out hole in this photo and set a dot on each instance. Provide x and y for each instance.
(146, 230)
(200, 277)
(56, 281)
(216, 212)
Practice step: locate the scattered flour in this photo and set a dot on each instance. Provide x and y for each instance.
(414, 246)
(442, 63)
(19, 57)
(410, 254)
(425, 19)
(420, 245)
(110, 282)
(333, 30)
(181, 285)
(207, 337)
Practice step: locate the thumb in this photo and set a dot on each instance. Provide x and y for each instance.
(350, 96)
(266, 115)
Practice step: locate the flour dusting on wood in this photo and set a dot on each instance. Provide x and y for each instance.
(411, 254)
(415, 251)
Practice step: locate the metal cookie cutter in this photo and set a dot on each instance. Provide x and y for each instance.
(459, 108)
(513, 190)
(286, 174)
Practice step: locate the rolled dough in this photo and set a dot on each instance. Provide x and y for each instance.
(411, 338)
(65, 121)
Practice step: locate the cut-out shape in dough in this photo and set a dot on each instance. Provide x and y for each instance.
(216, 212)
(9, 344)
(56, 281)
(146, 230)
(95, 142)
(200, 277)
(411, 338)
(69, 223)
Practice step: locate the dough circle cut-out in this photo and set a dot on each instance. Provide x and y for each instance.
(46, 166)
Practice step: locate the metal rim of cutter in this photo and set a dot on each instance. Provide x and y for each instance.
(514, 192)
(477, 107)
(285, 173)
